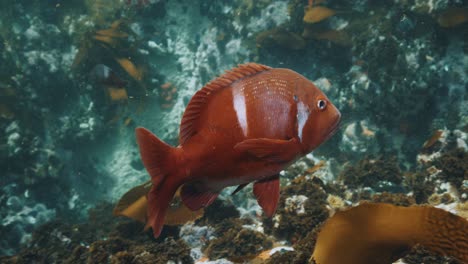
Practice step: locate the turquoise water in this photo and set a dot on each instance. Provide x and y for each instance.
(77, 77)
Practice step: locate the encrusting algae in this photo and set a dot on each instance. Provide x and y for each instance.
(383, 233)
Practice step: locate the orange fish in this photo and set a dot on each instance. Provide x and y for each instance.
(245, 126)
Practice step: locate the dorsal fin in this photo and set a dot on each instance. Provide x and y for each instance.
(198, 101)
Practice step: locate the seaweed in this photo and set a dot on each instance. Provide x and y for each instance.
(237, 244)
(233, 240)
(437, 199)
(101, 239)
(454, 166)
(218, 211)
(370, 172)
(399, 199)
(419, 255)
(117, 250)
(302, 250)
(420, 184)
(302, 206)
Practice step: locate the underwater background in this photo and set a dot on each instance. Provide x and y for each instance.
(397, 70)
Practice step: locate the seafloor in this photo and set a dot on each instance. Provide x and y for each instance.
(397, 70)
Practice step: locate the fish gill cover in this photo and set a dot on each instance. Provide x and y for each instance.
(77, 77)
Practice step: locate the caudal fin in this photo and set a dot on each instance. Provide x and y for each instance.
(160, 161)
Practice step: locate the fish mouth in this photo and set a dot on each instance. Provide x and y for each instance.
(334, 127)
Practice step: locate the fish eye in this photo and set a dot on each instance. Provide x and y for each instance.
(321, 104)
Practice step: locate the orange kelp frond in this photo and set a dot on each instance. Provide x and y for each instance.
(110, 35)
(316, 14)
(383, 233)
(117, 94)
(179, 214)
(134, 204)
(132, 70)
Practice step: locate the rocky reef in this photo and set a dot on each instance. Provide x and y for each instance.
(77, 77)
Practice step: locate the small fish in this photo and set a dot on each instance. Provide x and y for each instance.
(245, 126)
(433, 139)
(383, 233)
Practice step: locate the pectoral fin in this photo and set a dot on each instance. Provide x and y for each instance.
(267, 193)
(272, 150)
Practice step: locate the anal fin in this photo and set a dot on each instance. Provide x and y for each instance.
(196, 197)
(267, 193)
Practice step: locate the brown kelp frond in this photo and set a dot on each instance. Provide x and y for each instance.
(383, 233)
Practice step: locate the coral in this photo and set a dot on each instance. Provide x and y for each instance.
(307, 208)
(437, 199)
(372, 173)
(20, 220)
(335, 202)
